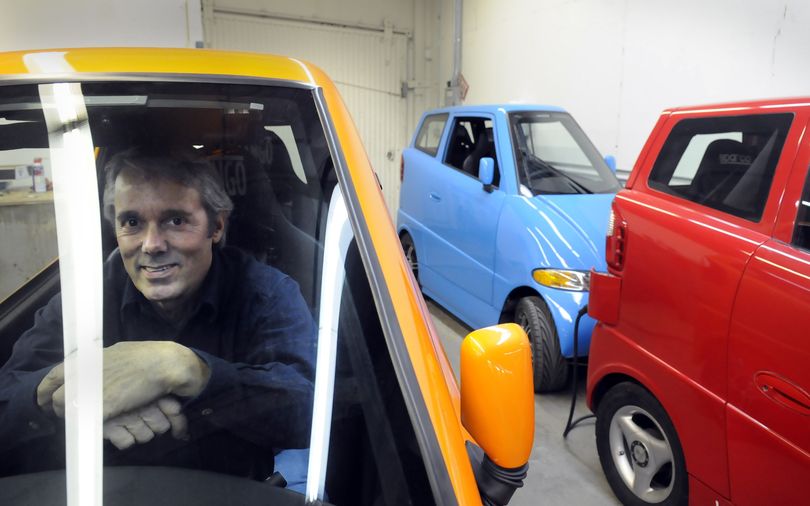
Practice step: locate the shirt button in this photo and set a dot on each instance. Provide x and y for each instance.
(33, 425)
(206, 411)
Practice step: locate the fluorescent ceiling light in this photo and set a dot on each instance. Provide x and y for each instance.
(116, 100)
(4, 121)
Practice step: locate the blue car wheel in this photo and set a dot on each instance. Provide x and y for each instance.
(410, 255)
(550, 367)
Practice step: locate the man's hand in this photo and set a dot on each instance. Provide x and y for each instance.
(141, 426)
(136, 373)
(51, 391)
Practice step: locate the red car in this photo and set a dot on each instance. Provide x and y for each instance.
(699, 366)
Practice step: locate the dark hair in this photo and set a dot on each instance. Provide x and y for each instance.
(183, 167)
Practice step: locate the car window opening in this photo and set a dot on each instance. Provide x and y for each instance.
(554, 156)
(268, 146)
(471, 139)
(725, 163)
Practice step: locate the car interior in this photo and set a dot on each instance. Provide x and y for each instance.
(464, 154)
(484, 147)
(280, 176)
(723, 164)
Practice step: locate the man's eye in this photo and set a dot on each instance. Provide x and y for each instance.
(130, 223)
(177, 221)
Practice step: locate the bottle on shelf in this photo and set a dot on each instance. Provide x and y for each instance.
(38, 175)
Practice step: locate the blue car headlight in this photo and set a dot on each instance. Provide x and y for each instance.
(575, 281)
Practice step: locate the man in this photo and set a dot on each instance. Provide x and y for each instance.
(200, 341)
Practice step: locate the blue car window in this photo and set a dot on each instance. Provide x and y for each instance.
(430, 134)
(471, 139)
(554, 155)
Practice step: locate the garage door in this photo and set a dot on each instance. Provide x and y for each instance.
(368, 66)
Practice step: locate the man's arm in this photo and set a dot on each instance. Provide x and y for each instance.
(35, 353)
(136, 373)
(32, 381)
(265, 396)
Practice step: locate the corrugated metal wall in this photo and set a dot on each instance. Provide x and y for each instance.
(367, 65)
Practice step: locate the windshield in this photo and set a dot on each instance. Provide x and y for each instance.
(554, 156)
(190, 335)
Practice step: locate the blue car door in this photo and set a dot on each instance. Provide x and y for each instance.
(464, 218)
(418, 204)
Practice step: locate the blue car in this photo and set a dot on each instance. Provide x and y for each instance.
(503, 212)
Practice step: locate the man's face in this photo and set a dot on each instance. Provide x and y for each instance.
(163, 236)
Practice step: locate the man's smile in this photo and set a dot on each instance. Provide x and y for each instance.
(158, 271)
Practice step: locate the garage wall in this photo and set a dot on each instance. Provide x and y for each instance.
(615, 64)
(350, 12)
(40, 24)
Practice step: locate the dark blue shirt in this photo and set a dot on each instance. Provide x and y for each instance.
(251, 326)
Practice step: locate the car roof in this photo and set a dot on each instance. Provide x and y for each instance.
(201, 62)
(795, 102)
(494, 108)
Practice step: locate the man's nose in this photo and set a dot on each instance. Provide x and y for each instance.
(153, 240)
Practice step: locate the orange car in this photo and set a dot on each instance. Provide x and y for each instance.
(312, 374)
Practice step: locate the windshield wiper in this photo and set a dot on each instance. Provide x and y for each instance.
(529, 157)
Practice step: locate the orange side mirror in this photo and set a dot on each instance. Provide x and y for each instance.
(497, 393)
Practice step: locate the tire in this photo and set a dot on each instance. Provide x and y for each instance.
(410, 255)
(550, 367)
(639, 449)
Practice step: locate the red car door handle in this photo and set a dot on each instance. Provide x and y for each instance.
(783, 392)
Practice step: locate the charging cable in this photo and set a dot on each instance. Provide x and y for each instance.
(571, 424)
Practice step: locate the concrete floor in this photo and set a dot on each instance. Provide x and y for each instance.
(561, 471)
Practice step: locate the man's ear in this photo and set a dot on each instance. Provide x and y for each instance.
(219, 228)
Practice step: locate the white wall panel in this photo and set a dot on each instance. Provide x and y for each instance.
(368, 67)
(44, 24)
(350, 12)
(615, 64)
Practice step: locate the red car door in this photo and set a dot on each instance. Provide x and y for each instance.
(768, 411)
(687, 245)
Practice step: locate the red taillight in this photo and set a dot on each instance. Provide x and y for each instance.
(401, 167)
(616, 243)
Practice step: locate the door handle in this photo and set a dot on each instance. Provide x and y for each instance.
(435, 196)
(783, 392)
